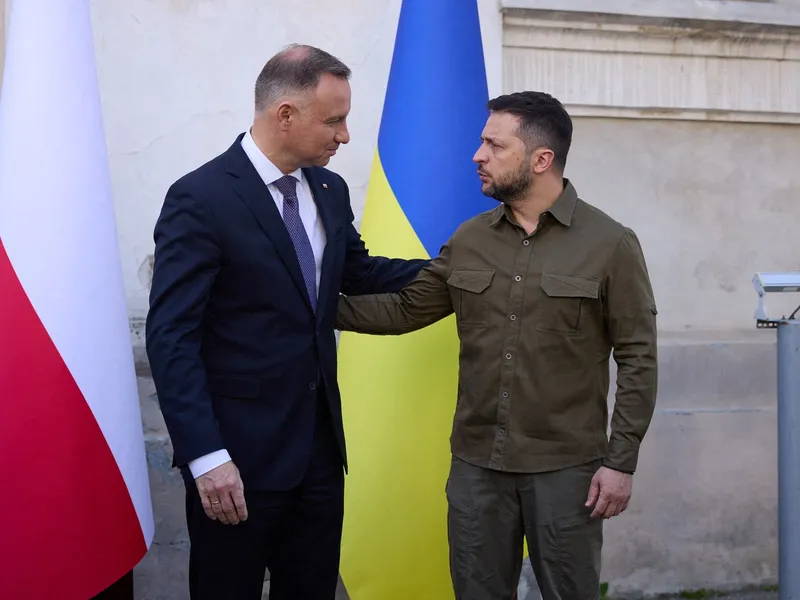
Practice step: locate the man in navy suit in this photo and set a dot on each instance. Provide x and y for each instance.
(252, 251)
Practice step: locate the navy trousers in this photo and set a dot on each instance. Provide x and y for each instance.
(296, 534)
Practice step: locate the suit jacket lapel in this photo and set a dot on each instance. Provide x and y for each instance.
(321, 193)
(254, 193)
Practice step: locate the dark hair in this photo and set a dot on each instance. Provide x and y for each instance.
(296, 68)
(543, 122)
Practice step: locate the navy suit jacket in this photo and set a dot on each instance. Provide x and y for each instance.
(237, 354)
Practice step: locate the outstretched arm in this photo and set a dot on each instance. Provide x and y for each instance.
(421, 303)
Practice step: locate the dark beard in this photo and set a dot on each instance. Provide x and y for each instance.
(511, 188)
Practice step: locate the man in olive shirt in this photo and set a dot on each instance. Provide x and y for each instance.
(544, 287)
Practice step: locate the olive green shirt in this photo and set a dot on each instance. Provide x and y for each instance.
(538, 317)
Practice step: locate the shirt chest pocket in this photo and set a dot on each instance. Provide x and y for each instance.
(566, 300)
(468, 291)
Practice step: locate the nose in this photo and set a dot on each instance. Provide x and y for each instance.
(480, 156)
(343, 135)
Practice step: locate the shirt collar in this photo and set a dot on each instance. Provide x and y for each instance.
(562, 209)
(268, 172)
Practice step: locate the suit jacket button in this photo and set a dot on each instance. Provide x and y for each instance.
(312, 386)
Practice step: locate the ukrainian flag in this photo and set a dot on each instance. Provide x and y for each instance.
(399, 392)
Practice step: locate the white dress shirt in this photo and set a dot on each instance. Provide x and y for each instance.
(315, 230)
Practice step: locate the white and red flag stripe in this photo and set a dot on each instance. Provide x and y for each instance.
(75, 500)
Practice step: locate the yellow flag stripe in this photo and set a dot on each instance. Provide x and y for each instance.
(398, 397)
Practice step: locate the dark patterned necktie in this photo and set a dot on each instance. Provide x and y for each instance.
(287, 185)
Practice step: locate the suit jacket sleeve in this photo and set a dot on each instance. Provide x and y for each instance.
(365, 274)
(187, 259)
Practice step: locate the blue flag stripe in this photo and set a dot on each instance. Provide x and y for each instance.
(434, 113)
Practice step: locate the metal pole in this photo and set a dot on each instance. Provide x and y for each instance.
(789, 459)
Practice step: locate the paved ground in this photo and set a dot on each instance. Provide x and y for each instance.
(525, 593)
(712, 595)
(752, 595)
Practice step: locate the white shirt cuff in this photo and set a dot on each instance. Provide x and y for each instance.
(201, 466)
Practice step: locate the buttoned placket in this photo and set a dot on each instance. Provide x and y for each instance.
(510, 344)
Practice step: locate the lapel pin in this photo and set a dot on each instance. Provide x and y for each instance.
(325, 186)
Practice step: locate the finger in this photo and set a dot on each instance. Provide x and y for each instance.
(216, 507)
(600, 507)
(205, 501)
(209, 510)
(238, 501)
(229, 509)
(623, 506)
(611, 510)
(594, 491)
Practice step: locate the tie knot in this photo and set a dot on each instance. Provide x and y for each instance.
(287, 185)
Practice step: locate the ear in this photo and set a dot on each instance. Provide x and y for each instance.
(542, 160)
(285, 114)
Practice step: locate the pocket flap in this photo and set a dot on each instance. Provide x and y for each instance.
(564, 285)
(471, 280)
(234, 386)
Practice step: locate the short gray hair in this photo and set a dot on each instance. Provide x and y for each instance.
(295, 69)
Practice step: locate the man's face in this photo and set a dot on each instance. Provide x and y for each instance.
(504, 165)
(321, 123)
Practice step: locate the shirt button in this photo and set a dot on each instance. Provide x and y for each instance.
(502, 431)
(525, 243)
(517, 278)
(505, 394)
(508, 356)
(513, 317)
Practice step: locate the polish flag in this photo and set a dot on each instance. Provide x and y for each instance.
(74, 492)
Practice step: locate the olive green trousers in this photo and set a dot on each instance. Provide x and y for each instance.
(491, 513)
